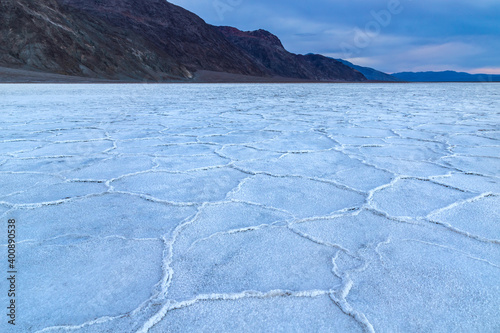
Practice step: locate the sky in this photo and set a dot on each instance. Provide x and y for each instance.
(389, 35)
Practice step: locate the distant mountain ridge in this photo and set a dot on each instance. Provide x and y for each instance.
(370, 73)
(445, 76)
(148, 40)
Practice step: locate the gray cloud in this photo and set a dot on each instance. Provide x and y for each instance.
(391, 35)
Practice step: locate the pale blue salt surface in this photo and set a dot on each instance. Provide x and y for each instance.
(253, 208)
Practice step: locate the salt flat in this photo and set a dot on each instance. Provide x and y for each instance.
(253, 208)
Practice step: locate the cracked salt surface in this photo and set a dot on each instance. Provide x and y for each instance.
(415, 197)
(321, 208)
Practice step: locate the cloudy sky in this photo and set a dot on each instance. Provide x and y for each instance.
(390, 35)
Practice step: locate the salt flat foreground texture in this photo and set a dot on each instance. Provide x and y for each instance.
(253, 208)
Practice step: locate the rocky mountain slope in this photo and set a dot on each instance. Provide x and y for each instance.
(268, 51)
(149, 40)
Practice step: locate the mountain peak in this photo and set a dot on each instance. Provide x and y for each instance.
(261, 34)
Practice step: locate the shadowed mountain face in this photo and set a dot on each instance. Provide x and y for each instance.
(268, 51)
(133, 40)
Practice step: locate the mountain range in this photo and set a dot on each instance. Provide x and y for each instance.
(149, 40)
(445, 76)
(156, 41)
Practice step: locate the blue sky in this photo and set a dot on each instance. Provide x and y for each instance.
(389, 35)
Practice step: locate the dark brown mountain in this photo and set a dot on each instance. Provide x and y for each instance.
(136, 40)
(268, 51)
